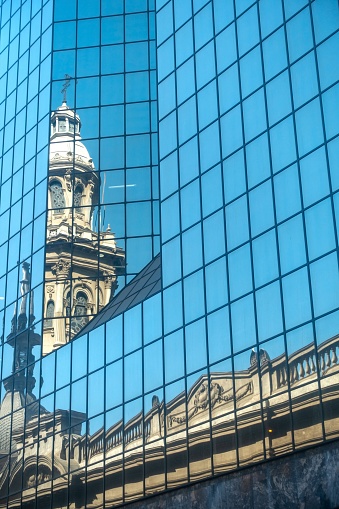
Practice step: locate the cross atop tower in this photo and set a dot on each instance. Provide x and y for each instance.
(67, 83)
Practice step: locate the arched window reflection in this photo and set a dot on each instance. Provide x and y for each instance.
(77, 196)
(81, 304)
(49, 313)
(57, 194)
(80, 319)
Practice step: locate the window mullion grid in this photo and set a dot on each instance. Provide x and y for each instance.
(305, 236)
(250, 240)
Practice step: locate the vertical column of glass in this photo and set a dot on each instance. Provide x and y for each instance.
(110, 53)
(25, 67)
(325, 25)
(243, 170)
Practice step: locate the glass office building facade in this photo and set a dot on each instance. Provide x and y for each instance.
(169, 278)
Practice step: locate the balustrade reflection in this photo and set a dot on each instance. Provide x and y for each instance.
(224, 420)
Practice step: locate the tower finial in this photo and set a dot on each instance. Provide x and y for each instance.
(65, 87)
(24, 289)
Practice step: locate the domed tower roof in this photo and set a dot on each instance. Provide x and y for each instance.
(66, 142)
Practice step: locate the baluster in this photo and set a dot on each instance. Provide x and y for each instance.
(293, 374)
(322, 363)
(283, 375)
(278, 378)
(307, 367)
(334, 358)
(312, 365)
(301, 371)
(328, 359)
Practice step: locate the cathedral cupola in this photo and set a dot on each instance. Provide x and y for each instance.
(65, 121)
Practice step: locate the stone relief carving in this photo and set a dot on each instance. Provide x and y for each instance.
(203, 397)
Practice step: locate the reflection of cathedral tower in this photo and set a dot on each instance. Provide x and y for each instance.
(81, 265)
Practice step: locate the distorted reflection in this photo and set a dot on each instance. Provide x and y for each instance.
(266, 405)
(82, 262)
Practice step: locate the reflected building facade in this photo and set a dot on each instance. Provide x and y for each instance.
(81, 265)
(219, 350)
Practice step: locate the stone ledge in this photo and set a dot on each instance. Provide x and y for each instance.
(307, 479)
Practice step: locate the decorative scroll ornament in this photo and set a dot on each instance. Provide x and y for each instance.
(68, 180)
(109, 278)
(61, 268)
(50, 290)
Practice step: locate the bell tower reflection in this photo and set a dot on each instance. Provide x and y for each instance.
(20, 385)
(82, 264)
